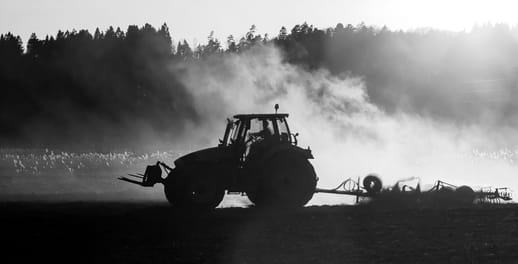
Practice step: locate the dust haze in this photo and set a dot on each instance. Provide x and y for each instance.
(350, 136)
(433, 105)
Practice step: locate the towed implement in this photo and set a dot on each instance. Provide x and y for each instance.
(441, 194)
(465, 195)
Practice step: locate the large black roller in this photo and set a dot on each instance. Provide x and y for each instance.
(464, 195)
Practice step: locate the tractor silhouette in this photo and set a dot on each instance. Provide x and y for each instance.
(258, 155)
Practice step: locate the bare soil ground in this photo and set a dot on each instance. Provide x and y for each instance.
(154, 233)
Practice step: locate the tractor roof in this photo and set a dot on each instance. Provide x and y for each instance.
(250, 116)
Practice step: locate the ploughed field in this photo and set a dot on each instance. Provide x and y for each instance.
(153, 232)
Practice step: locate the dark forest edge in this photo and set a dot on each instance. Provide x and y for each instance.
(79, 88)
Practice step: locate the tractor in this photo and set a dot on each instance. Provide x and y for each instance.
(257, 156)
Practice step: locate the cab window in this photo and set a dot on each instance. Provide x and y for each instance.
(234, 136)
(284, 132)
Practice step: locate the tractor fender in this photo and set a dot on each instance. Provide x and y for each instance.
(205, 156)
(286, 149)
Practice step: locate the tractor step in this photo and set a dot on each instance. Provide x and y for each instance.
(236, 193)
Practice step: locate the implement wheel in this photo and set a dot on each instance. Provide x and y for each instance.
(372, 184)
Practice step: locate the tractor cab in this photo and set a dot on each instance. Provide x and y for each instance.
(243, 129)
(257, 155)
(253, 133)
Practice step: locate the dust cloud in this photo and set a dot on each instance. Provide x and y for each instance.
(349, 135)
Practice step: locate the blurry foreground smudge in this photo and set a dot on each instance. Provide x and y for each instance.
(152, 232)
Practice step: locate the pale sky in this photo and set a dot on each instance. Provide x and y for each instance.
(194, 19)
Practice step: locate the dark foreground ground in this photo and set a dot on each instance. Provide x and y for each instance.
(154, 233)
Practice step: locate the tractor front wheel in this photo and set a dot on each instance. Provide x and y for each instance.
(193, 189)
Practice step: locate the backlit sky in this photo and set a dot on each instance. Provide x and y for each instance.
(194, 19)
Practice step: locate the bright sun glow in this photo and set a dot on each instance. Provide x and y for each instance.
(442, 14)
(235, 16)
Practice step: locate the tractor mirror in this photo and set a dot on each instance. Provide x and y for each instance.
(295, 138)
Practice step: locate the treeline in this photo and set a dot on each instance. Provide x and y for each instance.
(91, 88)
(77, 86)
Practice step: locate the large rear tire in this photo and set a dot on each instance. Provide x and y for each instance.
(286, 181)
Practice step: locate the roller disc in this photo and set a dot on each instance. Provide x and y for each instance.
(465, 195)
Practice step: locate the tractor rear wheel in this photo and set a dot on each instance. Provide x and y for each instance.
(285, 182)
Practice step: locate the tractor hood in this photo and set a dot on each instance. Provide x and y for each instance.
(208, 155)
